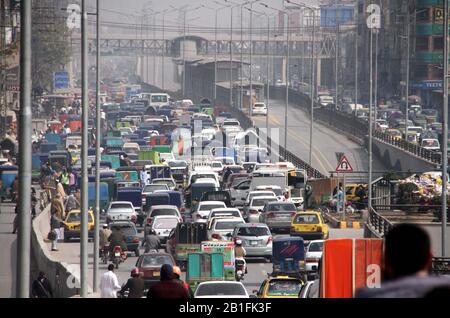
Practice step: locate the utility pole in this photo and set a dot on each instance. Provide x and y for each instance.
(215, 58)
(356, 61)
(231, 57)
(97, 154)
(337, 54)
(4, 105)
(313, 72)
(445, 132)
(250, 110)
(408, 27)
(184, 54)
(370, 119)
(288, 39)
(24, 236)
(268, 76)
(84, 152)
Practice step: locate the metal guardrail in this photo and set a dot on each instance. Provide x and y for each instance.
(379, 223)
(355, 126)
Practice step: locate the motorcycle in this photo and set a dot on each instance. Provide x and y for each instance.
(240, 269)
(118, 256)
(104, 254)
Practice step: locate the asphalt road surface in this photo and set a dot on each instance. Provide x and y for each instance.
(326, 142)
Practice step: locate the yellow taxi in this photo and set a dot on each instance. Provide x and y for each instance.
(280, 287)
(351, 189)
(310, 225)
(72, 224)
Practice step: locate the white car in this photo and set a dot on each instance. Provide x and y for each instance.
(431, 144)
(216, 166)
(195, 176)
(259, 109)
(223, 212)
(169, 182)
(163, 225)
(221, 289)
(164, 210)
(222, 228)
(313, 255)
(325, 100)
(121, 211)
(204, 209)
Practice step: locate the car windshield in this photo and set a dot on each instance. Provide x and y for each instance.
(154, 187)
(231, 213)
(259, 105)
(282, 207)
(217, 165)
(202, 176)
(209, 207)
(253, 231)
(126, 229)
(164, 212)
(165, 223)
(120, 206)
(306, 219)
(156, 260)
(166, 182)
(262, 202)
(177, 164)
(230, 289)
(284, 288)
(227, 225)
(159, 98)
(76, 217)
(231, 123)
(315, 247)
(430, 143)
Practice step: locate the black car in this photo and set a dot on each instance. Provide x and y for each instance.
(130, 233)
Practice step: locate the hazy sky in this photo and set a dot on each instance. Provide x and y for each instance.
(121, 11)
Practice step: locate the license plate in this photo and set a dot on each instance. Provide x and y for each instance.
(117, 254)
(156, 274)
(253, 242)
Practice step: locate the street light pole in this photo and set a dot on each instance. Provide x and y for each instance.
(84, 153)
(369, 203)
(231, 57)
(313, 72)
(445, 132)
(24, 236)
(287, 81)
(407, 74)
(97, 154)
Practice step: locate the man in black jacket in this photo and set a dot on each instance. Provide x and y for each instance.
(41, 287)
(134, 285)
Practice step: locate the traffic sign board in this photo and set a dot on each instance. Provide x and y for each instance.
(61, 80)
(344, 165)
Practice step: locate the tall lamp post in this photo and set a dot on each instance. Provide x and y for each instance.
(313, 67)
(184, 47)
(287, 71)
(445, 131)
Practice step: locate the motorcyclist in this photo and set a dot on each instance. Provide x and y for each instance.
(152, 241)
(239, 254)
(134, 285)
(104, 235)
(116, 239)
(177, 273)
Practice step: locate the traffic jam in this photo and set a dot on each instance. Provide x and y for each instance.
(184, 184)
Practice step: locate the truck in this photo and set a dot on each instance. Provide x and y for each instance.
(152, 155)
(227, 249)
(157, 171)
(184, 239)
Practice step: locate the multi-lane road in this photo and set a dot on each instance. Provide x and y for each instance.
(326, 141)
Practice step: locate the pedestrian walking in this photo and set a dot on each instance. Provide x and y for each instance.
(109, 284)
(407, 262)
(41, 287)
(167, 287)
(55, 230)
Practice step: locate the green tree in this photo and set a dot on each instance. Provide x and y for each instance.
(51, 49)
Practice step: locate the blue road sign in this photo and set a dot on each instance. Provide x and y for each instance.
(61, 80)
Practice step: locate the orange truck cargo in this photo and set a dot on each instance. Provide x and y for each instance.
(350, 264)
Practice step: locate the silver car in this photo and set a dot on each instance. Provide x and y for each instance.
(256, 239)
(278, 215)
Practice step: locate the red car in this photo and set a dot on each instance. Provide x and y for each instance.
(150, 265)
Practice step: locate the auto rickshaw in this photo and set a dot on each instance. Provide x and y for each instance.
(204, 267)
(288, 256)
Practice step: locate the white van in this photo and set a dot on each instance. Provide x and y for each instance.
(155, 99)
